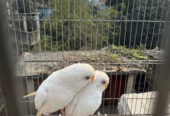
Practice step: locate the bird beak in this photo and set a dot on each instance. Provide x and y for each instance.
(92, 79)
(105, 86)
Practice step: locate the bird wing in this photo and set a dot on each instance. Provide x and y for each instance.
(83, 106)
(94, 105)
(40, 98)
(71, 106)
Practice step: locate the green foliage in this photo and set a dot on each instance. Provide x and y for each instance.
(74, 28)
(91, 58)
(135, 33)
(134, 54)
(43, 1)
(115, 57)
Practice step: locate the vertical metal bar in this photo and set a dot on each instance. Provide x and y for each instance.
(148, 90)
(28, 41)
(155, 23)
(109, 108)
(120, 34)
(92, 8)
(165, 26)
(115, 22)
(45, 37)
(111, 77)
(9, 81)
(86, 31)
(39, 46)
(62, 26)
(131, 26)
(124, 43)
(126, 24)
(136, 30)
(51, 37)
(80, 23)
(164, 3)
(143, 23)
(2, 97)
(164, 79)
(130, 41)
(108, 28)
(133, 91)
(74, 48)
(20, 35)
(56, 26)
(69, 26)
(152, 64)
(102, 33)
(31, 104)
(113, 44)
(149, 24)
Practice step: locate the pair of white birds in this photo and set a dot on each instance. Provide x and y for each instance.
(78, 88)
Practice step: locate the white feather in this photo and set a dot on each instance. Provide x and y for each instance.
(60, 87)
(88, 100)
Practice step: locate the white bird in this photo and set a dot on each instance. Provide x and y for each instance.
(60, 87)
(88, 99)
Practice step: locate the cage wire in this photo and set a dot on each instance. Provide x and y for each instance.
(124, 38)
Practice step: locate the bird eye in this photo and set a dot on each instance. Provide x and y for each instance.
(87, 78)
(103, 82)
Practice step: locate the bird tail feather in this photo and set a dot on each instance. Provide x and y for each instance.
(39, 113)
(29, 95)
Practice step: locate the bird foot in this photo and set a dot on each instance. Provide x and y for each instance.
(62, 112)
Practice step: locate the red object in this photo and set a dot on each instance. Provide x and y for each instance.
(102, 0)
(115, 89)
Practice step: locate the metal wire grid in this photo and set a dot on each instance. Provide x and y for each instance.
(2, 101)
(145, 22)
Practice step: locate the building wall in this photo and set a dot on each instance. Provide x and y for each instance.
(16, 46)
(45, 13)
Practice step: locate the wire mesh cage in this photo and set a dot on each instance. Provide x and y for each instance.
(124, 38)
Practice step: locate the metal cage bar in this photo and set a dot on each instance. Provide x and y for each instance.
(124, 38)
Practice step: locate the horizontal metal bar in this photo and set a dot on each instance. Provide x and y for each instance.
(125, 62)
(84, 20)
(106, 99)
(102, 99)
(109, 72)
(108, 115)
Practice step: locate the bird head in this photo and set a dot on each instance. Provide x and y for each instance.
(101, 80)
(80, 75)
